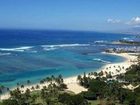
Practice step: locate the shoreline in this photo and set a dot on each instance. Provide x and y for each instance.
(72, 83)
(129, 60)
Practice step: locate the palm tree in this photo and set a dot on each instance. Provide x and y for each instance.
(22, 86)
(61, 78)
(89, 74)
(84, 75)
(33, 88)
(42, 81)
(48, 79)
(33, 99)
(37, 87)
(28, 82)
(44, 93)
(2, 87)
(1, 90)
(16, 94)
(101, 73)
(27, 97)
(79, 77)
(7, 89)
(27, 93)
(52, 77)
(106, 73)
(0, 93)
(95, 74)
(18, 84)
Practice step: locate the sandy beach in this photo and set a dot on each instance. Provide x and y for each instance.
(72, 83)
(118, 68)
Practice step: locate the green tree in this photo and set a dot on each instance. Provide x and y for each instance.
(10, 102)
(138, 100)
(67, 99)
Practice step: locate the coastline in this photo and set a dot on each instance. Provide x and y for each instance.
(129, 60)
(72, 82)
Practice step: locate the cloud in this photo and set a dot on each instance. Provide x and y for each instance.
(113, 21)
(134, 21)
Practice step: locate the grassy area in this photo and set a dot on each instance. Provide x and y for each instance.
(97, 102)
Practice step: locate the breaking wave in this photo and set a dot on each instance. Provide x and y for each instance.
(18, 49)
(2, 54)
(100, 41)
(65, 45)
(54, 47)
(100, 60)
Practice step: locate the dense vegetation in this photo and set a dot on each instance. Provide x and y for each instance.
(53, 94)
(101, 91)
(111, 90)
(129, 42)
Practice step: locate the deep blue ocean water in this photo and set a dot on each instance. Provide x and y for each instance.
(33, 55)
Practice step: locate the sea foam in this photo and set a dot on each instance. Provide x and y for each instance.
(100, 60)
(19, 49)
(65, 45)
(2, 54)
(54, 47)
(100, 41)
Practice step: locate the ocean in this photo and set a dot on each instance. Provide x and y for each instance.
(36, 54)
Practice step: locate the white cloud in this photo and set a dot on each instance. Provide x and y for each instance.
(134, 21)
(113, 21)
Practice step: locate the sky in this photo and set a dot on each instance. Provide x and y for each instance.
(94, 15)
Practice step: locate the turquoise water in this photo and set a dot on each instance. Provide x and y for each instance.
(35, 66)
(27, 55)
